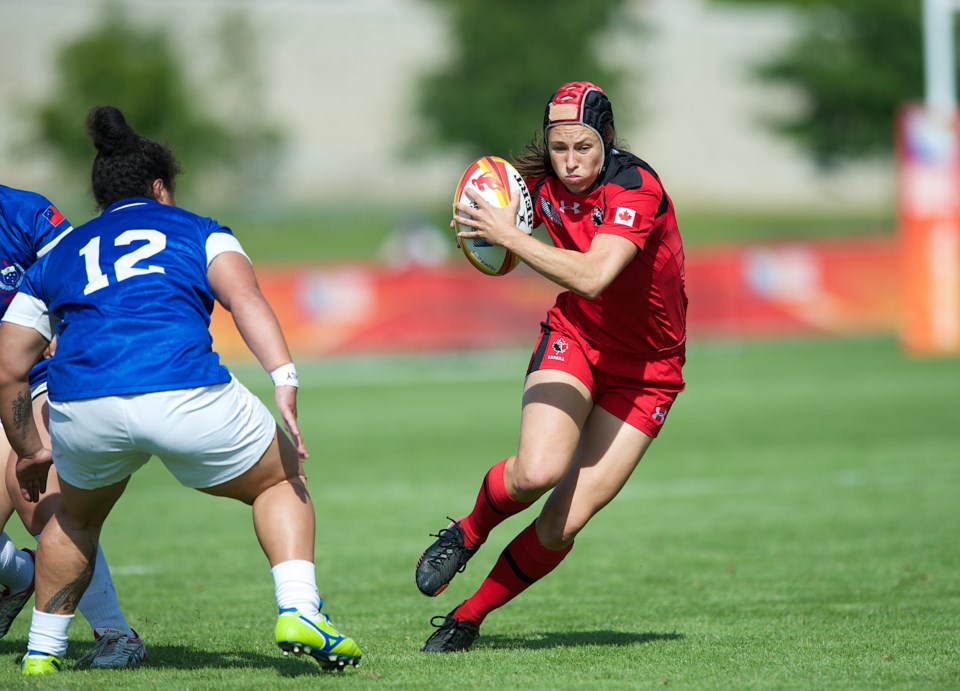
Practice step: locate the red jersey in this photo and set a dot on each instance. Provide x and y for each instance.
(642, 313)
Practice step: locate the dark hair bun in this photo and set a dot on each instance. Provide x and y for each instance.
(109, 130)
(127, 164)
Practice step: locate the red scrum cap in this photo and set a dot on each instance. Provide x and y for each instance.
(579, 103)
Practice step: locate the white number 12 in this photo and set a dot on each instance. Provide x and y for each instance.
(125, 267)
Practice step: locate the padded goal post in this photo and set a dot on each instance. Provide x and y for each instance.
(928, 195)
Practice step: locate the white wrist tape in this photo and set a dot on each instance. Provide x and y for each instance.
(285, 375)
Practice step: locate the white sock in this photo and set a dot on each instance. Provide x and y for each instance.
(16, 566)
(295, 585)
(48, 634)
(99, 604)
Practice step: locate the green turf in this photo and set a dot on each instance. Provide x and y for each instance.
(312, 235)
(794, 527)
(326, 235)
(324, 231)
(704, 227)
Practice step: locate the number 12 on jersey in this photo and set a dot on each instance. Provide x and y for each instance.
(126, 265)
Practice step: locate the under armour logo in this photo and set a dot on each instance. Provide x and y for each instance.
(574, 208)
(659, 415)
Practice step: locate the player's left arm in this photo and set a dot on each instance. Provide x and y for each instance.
(235, 286)
(20, 347)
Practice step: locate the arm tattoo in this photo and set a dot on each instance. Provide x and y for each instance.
(22, 410)
(69, 596)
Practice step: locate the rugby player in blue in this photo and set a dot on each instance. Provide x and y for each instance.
(135, 376)
(30, 227)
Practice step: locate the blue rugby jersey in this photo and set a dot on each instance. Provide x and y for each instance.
(30, 226)
(131, 291)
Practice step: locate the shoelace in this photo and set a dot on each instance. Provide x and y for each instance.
(446, 621)
(454, 627)
(451, 542)
(111, 640)
(108, 645)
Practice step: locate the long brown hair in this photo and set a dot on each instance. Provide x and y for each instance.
(535, 159)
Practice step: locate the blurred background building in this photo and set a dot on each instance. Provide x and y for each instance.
(337, 78)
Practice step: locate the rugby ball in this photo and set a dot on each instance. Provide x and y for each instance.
(494, 180)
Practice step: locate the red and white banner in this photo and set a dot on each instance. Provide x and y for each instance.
(832, 288)
(828, 288)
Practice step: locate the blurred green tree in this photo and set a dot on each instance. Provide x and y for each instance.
(855, 62)
(139, 71)
(508, 57)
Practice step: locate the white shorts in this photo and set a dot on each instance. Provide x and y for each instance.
(205, 436)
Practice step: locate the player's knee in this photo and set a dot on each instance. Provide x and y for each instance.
(556, 533)
(75, 522)
(529, 482)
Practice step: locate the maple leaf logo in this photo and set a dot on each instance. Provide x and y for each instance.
(624, 216)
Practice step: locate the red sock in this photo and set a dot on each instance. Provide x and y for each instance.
(521, 564)
(493, 507)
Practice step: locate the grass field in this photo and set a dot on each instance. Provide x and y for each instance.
(345, 231)
(795, 526)
(325, 235)
(358, 233)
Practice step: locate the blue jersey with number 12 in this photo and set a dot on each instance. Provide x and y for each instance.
(130, 288)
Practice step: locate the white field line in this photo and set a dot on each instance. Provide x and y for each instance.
(134, 570)
(640, 488)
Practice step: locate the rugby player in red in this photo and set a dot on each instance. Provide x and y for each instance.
(606, 368)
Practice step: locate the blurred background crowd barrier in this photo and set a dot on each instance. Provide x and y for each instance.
(836, 288)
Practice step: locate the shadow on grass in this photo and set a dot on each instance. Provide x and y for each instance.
(574, 639)
(180, 657)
